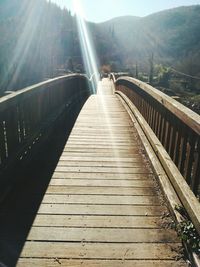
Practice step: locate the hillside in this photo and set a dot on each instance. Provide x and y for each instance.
(170, 35)
(38, 39)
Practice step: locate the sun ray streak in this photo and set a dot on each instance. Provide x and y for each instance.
(24, 41)
(87, 48)
(92, 70)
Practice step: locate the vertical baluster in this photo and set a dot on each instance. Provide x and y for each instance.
(139, 102)
(42, 106)
(142, 107)
(196, 169)
(166, 135)
(54, 97)
(32, 114)
(177, 144)
(39, 108)
(190, 148)
(45, 100)
(2, 141)
(155, 120)
(149, 112)
(132, 97)
(36, 110)
(164, 124)
(157, 131)
(161, 124)
(26, 118)
(172, 141)
(183, 146)
(168, 131)
(21, 123)
(152, 115)
(11, 127)
(145, 109)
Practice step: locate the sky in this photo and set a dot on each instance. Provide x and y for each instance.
(102, 10)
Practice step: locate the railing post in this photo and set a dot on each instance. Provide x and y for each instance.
(196, 169)
(3, 155)
(26, 114)
(176, 127)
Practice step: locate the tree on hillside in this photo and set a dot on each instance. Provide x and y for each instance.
(164, 75)
(136, 70)
(37, 38)
(190, 67)
(151, 68)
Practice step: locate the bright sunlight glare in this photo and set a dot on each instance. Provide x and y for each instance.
(23, 44)
(92, 70)
(88, 51)
(104, 105)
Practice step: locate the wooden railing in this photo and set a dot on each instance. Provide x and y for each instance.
(173, 132)
(26, 113)
(177, 127)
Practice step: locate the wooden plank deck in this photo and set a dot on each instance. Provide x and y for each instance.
(102, 206)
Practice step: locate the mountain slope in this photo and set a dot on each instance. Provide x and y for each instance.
(170, 35)
(38, 38)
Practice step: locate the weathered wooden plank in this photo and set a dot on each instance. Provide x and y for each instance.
(75, 163)
(24, 262)
(95, 146)
(93, 199)
(92, 142)
(120, 138)
(98, 175)
(102, 204)
(99, 250)
(81, 209)
(82, 137)
(114, 122)
(103, 123)
(104, 183)
(102, 235)
(121, 154)
(98, 114)
(100, 190)
(118, 169)
(104, 128)
(70, 158)
(103, 131)
(98, 221)
(115, 150)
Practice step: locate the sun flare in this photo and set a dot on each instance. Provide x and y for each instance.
(88, 51)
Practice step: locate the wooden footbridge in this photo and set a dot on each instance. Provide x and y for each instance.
(131, 158)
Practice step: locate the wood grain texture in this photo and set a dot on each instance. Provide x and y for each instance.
(187, 197)
(102, 206)
(98, 263)
(100, 190)
(99, 250)
(101, 199)
(83, 221)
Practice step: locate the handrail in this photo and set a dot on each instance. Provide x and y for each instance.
(8, 100)
(25, 112)
(113, 77)
(176, 126)
(178, 130)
